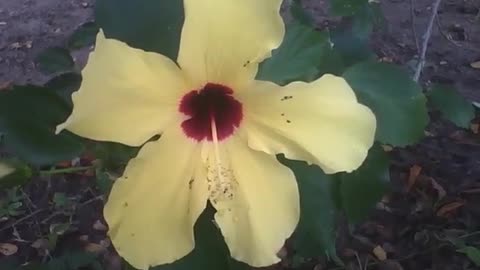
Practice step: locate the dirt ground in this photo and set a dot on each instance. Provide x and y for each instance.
(412, 223)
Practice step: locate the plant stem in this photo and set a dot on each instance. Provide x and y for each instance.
(66, 170)
(426, 39)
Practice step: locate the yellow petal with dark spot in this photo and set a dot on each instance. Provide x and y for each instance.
(319, 122)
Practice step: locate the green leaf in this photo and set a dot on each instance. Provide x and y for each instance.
(14, 173)
(79, 259)
(397, 101)
(60, 199)
(29, 115)
(53, 60)
(364, 21)
(363, 188)
(472, 253)
(300, 14)
(103, 182)
(452, 105)
(315, 233)
(210, 251)
(74, 260)
(150, 25)
(59, 229)
(352, 42)
(304, 54)
(114, 155)
(64, 85)
(84, 36)
(346, 7)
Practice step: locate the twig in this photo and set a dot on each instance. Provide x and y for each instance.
(426, 39)
(57, 213)
(408, 257)
(23, 219)
(94, 199)
(98, 198)
(414, 25)
(468, 235)
(66, 170)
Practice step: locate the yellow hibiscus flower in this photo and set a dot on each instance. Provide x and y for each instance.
(220, 131)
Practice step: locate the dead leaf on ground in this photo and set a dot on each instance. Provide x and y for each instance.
(448, 208)
(8, 249)
(94, 248)
(440, 190)
(475, 65)
(348, 252)
(415, 171)
(471, 191)
(387, 148)
(83, 238)
(5, 85)
(18, 45)
(380, 253)
(40, 244)
(475, 128)
(105, 243)
(99, 226)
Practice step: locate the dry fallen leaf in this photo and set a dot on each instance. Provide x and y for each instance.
(415, 171)
(475, 65)
(386, 59)
(8, 249)
(94, 248)
(99, 226)
(475, 128)
(387, 148)
(105, 243)
(471, 191)
(40, 244)
(448, 208)
(5, 85)
(440, 190)
(348, 252)
(380, 253)
(428, 133)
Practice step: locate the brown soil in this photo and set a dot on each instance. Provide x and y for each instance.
(407, 224)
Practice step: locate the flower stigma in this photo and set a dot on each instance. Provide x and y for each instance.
(213, 105)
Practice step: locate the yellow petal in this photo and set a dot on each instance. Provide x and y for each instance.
(153, 207)
(224, 40)
(319, 122)
(264, 209)
(127, 95)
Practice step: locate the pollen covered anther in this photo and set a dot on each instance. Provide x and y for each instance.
(214, 102)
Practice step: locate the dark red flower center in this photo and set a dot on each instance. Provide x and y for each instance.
(213, 103)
